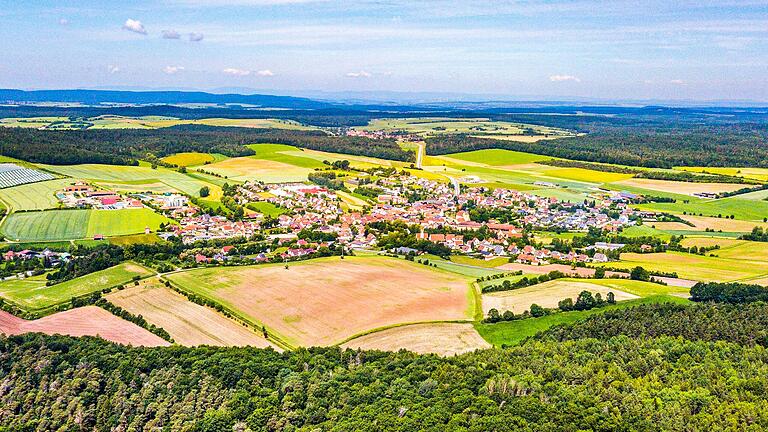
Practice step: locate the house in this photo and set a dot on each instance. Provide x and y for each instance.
(227, 249)
(200, 258)
(600, 257)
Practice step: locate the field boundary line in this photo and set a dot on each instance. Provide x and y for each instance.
(274, 337)
(391, 326)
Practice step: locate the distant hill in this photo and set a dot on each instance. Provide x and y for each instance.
(97, 97)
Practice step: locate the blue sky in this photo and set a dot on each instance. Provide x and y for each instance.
(619, 49)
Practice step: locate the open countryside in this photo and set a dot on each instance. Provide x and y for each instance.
(306, 216)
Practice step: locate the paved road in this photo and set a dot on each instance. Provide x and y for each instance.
(456, 188)
(420, 154)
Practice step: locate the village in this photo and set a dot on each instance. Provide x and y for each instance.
(442, 216)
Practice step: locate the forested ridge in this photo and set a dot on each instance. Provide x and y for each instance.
(658, 147)
(125, 147)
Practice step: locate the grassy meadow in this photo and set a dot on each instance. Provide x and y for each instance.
(79, 224)
(34, 196)
(32, 293)
(513, 332)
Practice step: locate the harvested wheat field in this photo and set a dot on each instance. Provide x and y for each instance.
(188, 323)
(84, 321)
(543, 269)
(685, 188)
(323, 301)
(250, 168)
(546, 294)
(702, 223)
(445, 339)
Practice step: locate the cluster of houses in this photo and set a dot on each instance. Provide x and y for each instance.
(173, 205)
(53, 257)
(206, 227)
(402, 197)
(83, 195)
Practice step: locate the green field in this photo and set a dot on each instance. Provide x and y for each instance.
(645, 231)
(496, 157)
(267, 208)
(731, 248)
(471, 271)
(695, 267)
(32, 293)
(78, 224)
(189, 159)
(137, 178)
(513, 332)
(753, 173)
(34, 196)
(475, 126)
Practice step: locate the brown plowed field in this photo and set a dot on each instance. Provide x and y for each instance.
(188, 323)
(445, 339)
(84, 321)
(324, 301)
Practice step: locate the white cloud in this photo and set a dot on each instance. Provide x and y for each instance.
(63, 21)
(134, 26)
(236, 72)
(265, 73)
(677, 81)
(195, 37)
(171, 34)
(113, 69)
(170, 70)
(562, 78)
(361, 74)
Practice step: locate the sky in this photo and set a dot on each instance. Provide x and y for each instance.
(616, 50)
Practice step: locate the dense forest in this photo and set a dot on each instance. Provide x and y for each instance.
(60, 383)
(743, 324)
(125, 147)
(666, 147)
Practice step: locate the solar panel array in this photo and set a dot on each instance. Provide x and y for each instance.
(14, 175)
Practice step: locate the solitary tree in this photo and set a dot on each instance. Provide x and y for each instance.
(639, 273)
(204, 191)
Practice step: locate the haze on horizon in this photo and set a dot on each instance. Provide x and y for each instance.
(681, 50)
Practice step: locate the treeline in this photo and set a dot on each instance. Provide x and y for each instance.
(742, 324)
(318, 140)
(116, 147)
(757, 234)
(61, 383)
(88, 260)
(666, 147)
(96, 299)
(728, 292)
(682, 176)
(127, 146)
